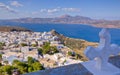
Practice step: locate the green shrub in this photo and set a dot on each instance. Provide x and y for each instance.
(23, 44)
(47, 49)
(70, 53)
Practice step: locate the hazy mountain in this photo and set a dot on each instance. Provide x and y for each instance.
(67, 19)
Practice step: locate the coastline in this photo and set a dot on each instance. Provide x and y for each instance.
(13, 28)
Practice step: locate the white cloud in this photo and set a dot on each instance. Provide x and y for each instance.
(71, 9)
(49, 10)
(54, 10)
(7, 8)
(43, 10)
(16, 4)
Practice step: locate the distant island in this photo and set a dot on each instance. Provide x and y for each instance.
(67, 19)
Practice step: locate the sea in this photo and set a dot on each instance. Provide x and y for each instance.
(78, 31)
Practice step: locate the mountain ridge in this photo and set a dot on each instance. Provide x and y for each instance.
(68, 19)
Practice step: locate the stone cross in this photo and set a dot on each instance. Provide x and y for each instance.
(102, 53)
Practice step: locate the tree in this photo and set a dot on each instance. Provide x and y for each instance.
(47, 49)
(0, 64)
(37, 66)
(7, 69)
(1, 71)
(15, 62)
(77, 56)
(30, 60)
(30, 69)
(1, 45)
(6, 62)
(23, 44)
(22, 67)
(0, 57)
(34, 45)
(71, 53)
(53, 50)
(40, 51)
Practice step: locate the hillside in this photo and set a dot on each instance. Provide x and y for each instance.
(78, 45)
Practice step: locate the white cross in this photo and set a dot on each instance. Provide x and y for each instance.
(102, 53)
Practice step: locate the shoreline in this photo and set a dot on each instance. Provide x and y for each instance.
(13, 28)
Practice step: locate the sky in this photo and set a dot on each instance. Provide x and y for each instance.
(97, 9)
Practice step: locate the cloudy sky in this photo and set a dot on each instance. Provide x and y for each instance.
(100, 9)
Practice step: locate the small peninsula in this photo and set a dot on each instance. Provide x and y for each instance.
(12, 28)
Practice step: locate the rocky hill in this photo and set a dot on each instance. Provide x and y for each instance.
(78, 45)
